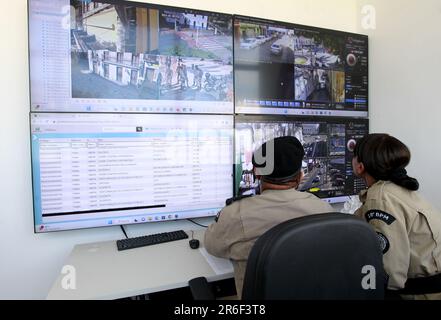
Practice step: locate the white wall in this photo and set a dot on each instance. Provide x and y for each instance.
(332, 14)
(405, 82)
(29, 263)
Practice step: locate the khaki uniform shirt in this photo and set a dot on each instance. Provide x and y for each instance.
(409, 230)
(241, 223)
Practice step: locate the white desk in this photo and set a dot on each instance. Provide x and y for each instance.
(103, 272)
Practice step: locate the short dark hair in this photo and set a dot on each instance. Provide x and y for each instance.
(288, 159)
(385, 158)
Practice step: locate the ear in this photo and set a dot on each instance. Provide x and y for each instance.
(299, 177)
(359, 169)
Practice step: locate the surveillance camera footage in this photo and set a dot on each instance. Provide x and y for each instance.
(130, 57)
(177, 56)
(327, 165)
(299, 70)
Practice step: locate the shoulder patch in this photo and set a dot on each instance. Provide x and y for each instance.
(384, 242)
(380, 215)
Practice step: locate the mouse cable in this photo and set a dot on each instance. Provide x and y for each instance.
(200, 225)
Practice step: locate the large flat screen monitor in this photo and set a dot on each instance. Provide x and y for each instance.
(93, 170)
(283, 68)
(328, 145)
(118, 56)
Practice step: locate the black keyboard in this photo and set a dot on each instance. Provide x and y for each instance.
(149, 240)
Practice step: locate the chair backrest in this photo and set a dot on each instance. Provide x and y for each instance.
(330, 256)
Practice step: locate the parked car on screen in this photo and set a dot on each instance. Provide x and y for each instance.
(261, 39)
(249, 43)
(276, 49)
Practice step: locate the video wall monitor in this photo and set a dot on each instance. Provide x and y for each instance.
(328, 144)
(118, 56)
(289, 69)
(94, 170)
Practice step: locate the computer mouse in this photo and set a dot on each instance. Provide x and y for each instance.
(194, 243)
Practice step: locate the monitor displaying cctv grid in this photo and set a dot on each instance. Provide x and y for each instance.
(328, 144)
(288, 69)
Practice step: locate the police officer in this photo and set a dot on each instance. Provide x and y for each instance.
(408, 228)
(243, 220)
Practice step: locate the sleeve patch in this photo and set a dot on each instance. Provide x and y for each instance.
(384, 242)
(380, 215)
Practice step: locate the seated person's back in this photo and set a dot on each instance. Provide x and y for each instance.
(243, 221)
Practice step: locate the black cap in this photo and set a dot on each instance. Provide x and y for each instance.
(288, 158)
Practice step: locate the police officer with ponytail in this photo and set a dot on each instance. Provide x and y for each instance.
(408, 228)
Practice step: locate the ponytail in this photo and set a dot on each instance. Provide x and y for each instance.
(401, 178)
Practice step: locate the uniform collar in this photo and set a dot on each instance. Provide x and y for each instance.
(363, 194)
(274, 190)
(291, 192)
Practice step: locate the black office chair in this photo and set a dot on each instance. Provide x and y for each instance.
(329, 256)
